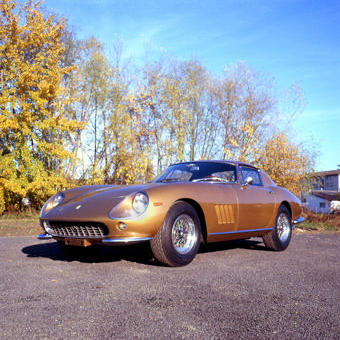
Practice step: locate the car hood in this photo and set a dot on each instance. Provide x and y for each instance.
(92, 202)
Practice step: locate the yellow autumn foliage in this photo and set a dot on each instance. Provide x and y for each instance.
(285, 162)
(32, 100)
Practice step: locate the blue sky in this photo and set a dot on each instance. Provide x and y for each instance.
(294, 41)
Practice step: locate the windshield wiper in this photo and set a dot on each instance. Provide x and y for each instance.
(211, 179)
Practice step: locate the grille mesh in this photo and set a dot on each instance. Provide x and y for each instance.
(78, 229)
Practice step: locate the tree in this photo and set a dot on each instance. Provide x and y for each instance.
(202, 121)
(97, 76)
(285, 162)
(71, 114)
(245, 106)
(32, 124)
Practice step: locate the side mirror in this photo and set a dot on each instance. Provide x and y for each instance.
(248, 181)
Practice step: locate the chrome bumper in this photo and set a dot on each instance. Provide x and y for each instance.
(128, 240)
(298, 220)
(44, 237)
(125, 240)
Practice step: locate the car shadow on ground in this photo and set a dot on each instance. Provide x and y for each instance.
(140, 253)
(254, 243)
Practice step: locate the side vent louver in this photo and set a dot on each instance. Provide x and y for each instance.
(225, 213)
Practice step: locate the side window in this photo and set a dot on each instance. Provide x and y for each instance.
(250, 172)
(228, 175)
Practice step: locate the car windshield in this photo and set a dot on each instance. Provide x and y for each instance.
(199, 172)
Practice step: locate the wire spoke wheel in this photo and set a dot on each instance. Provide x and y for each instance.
(184, 234)
(283, 227)
(177, 241)
(279, 237)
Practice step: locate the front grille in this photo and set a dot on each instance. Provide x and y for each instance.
(78, 229)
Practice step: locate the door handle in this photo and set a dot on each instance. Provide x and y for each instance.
(270, 191)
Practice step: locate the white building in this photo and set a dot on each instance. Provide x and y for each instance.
(326, 188)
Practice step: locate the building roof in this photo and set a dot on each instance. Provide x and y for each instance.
(327, 173)
(326, 194)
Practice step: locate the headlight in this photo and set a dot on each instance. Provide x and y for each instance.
(140, 202)
(53, 202)
(130, 207)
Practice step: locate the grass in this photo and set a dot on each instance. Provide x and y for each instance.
(27, 214)
(317, 226)
(320, 222)
(18, 224)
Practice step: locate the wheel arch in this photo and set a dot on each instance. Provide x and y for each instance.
(200, 214)
(287, 205)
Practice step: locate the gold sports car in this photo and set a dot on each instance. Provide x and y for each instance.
(190, 203)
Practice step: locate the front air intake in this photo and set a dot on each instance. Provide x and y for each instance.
(77, 229)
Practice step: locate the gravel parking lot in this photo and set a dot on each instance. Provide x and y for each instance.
(234, 290)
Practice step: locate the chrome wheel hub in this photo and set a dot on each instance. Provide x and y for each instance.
(183, 234)
(283, 227)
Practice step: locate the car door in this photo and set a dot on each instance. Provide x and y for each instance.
(256, 202)
(220, 201)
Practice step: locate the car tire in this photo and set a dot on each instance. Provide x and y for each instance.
(279, 237)
(177, 241)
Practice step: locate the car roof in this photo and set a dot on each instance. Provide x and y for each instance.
(218, 161)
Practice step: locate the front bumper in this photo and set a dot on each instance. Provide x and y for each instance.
(125, 240)
(298, 220)
(44, 237)
(105, 241)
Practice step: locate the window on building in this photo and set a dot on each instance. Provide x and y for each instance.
(322, 205)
